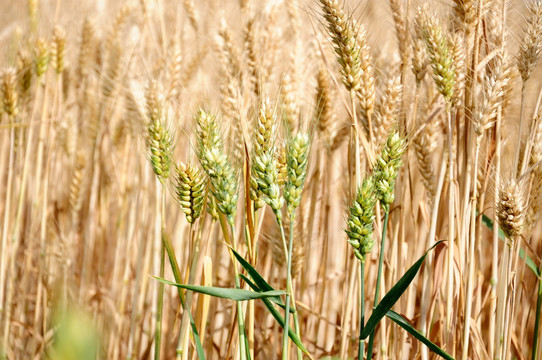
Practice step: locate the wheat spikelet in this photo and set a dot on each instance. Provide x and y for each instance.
(86, 49)
(457, 50)
(253, 58)
(41, 57)
(289, 96)
(67, 136)
(223, 177)
(229, 52)
(492, 95)
(423, 149)
(360, 219)
(191, 13)
(191, 66)
(465, 15)
(9, 93)
(345, 38)
(367, 90)
(324, 105)
(265, 172)
(535, 202)
(224, 181)
(76, 181)
(265, 129)
(112, 69)
(190, 190)
(281, 158)
(119, 22)
(397, 12)
(230, 90)
(387, 167)
(24, 73)
(293, 13)
(159, 139)
(57, 50)
(511, 209)
(175, 66)
(208, 134)
(530, 48)
(437, 48)
(387, 110)
(92, 124)
(419, 60)
(297, 157)
(271, 43)
(230, 105)
(264, 169)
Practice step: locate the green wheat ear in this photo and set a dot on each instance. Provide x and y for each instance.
(360, 219)
(264, 178)
(190, 190)
(222, 175)
(297, 157)
(436, 43)
(387, 166)
(159, 138)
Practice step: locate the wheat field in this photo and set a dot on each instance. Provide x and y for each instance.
(176, 176)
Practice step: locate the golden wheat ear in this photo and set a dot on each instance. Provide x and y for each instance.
(511, 209)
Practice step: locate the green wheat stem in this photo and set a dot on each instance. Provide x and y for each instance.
(160, 304)
(379, 276)
(244, 350)
(182, 330)
(289, 281)
(178, 279)
(361, 342)
(287, 302)
(243, 344)
(537, 318)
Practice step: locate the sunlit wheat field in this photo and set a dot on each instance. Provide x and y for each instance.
(270, 179)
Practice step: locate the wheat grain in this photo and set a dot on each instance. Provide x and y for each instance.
(530, 48)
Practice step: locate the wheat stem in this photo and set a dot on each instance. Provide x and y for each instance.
(361, 341)
(379, 275)
(160, 304)
(470, 255)
(287, 251)
(5, 314)
(537, 317)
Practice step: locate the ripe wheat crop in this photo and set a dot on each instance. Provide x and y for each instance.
(243, 179)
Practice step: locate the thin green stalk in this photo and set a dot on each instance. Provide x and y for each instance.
(537, 318)
(160, 304)
(178, 279)
(361, 342)
(243, 344)
(290, 287)
(288, 294)
(379, 275)
(183, 338)
(244, 350)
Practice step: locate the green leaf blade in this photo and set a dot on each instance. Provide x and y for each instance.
(399, 320)
(224, 293)
(393, 295)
